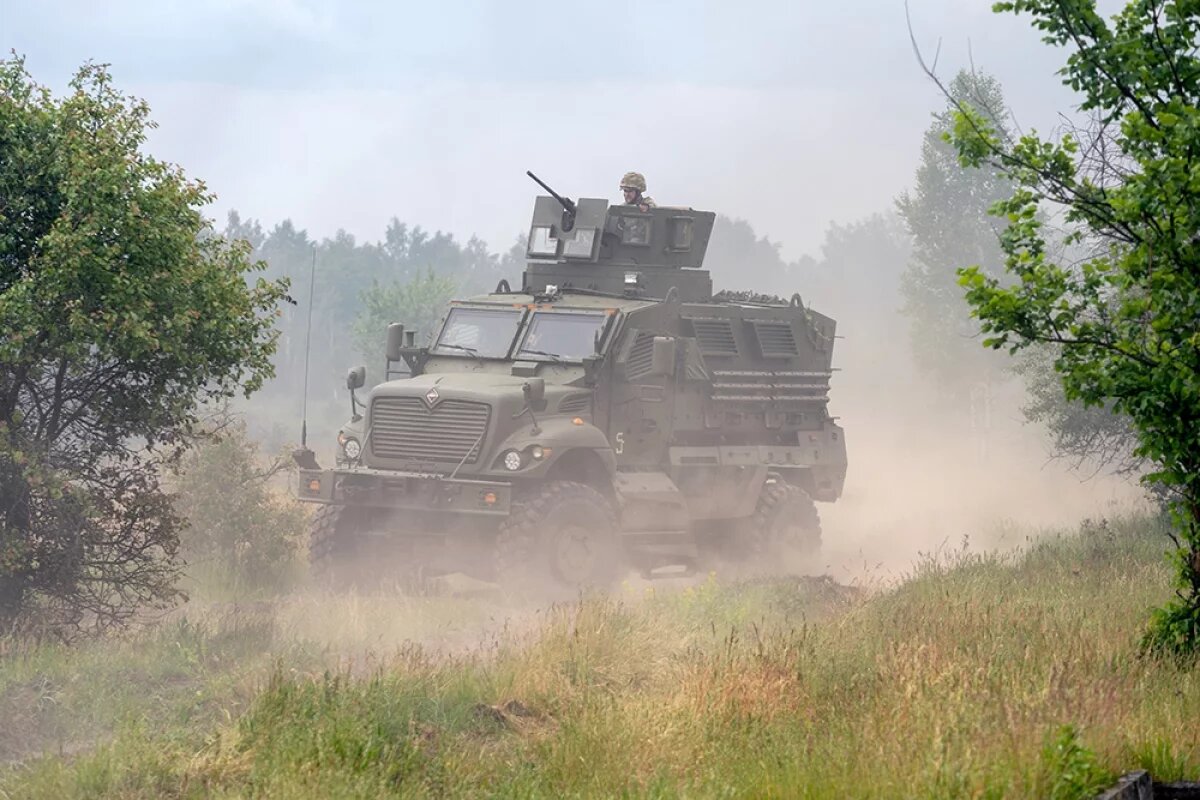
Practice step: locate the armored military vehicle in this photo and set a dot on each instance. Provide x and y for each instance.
(610, 413)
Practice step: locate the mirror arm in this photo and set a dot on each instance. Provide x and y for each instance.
(528, 409)
(415, 360)
(527, 390)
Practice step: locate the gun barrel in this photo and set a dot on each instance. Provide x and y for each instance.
(562, 201)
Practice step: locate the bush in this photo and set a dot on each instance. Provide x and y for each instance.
(242, 526)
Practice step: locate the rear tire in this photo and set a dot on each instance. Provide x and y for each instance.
(561, 533)
(785, 525)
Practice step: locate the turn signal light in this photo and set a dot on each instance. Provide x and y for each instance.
(577, 421)
(489, 498)
(314, 486)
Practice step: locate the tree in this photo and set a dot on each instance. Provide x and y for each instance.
(418, 303)
(121, 312)
(858, 277)
(947, 215)
(856, 281)
(1126, 319)
(1093, 435)
(737, 255)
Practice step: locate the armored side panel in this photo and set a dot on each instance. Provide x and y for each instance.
(750, 391)
(762, 368)
(619, 250)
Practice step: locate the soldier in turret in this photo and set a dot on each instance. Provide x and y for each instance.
(633, 185)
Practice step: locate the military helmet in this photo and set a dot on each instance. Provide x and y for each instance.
(633, 180)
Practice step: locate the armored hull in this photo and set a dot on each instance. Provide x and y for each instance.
(610, 412)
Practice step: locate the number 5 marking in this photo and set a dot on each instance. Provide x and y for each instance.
(620, 441)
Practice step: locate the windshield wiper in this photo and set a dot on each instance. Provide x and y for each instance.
(469, 350)
(554, 356)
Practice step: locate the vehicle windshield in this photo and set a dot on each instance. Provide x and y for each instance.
(562, 336)
(480, 332)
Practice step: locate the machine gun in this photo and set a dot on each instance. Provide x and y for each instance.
(568, 205)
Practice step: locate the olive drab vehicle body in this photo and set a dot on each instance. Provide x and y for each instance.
(610, 412)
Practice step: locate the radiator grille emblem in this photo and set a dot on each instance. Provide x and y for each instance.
(432, 396)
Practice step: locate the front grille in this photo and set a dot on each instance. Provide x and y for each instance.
(407, 428)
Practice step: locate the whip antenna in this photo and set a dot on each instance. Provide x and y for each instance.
(312, 283)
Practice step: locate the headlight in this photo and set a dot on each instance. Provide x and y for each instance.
(351, 448)
(512, 461)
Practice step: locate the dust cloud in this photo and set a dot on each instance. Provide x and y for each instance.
(921, 480)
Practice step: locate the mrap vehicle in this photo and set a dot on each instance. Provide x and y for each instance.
(611, 413)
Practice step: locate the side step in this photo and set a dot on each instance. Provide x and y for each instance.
(655, 524)
(661, 554)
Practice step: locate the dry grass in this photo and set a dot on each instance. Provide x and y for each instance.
(979, 676)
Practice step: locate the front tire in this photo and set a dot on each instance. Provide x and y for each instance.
(335, 545)
(561, 533)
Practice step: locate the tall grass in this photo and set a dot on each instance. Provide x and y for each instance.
(978, 676)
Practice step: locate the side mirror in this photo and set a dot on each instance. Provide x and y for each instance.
(356, 378)
(662, 357)
(395, 340)
(535, 393)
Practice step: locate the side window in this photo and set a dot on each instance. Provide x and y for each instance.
(634, 230)
(681, 233)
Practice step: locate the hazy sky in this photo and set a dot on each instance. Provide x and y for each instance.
(791, 115)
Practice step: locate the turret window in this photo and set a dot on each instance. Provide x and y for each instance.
(681, 233)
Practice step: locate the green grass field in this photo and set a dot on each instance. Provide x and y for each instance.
(978, 676)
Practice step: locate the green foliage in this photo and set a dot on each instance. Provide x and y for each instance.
(1164, 759)
(947, 215)
(1071, 769)
(1079, 432)
(362, 738)
(418, 303)
(242, 531)
(120, 315)
(1126, 320)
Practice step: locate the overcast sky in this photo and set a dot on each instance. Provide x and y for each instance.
(789, 114)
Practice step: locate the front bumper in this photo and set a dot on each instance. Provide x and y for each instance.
(404, 490)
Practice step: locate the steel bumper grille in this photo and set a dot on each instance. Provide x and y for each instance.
(406, 428)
